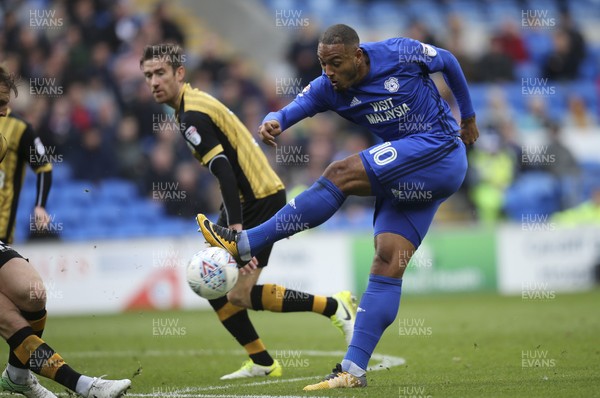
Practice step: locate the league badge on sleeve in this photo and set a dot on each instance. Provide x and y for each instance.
(191, 134)
(428, 50)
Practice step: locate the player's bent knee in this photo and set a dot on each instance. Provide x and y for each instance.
(349, 176)
(36, 300)
(23, 285)
(342, 173)
(336, 171)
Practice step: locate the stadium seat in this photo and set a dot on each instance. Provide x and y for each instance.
(590, 178)
(533, 193)
(118, 190)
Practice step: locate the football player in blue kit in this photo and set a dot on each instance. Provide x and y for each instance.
(384, 86)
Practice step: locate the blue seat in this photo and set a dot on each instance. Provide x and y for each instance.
(118, 190)
(532, 194)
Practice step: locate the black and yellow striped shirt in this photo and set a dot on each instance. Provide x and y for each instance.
(211, 129)
(24, 147)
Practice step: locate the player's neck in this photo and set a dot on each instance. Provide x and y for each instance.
(175, 101)
(363, 69)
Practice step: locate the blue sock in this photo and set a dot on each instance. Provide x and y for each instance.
(377, 310)
(308, 210)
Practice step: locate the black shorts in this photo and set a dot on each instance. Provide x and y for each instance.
(7, 253)
(255, 213)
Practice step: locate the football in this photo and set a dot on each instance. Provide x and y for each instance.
(212, 273)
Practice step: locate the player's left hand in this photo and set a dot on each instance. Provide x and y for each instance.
(250, 267)
(41, 217)
(468, 131)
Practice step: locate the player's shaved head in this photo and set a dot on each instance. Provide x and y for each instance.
(172, 54)
(7, 79)
(340, 34)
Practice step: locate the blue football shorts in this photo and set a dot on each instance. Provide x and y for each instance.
(410, 178)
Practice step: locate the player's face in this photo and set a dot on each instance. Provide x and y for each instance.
(340, 63)
(162, 80)
(4, 99)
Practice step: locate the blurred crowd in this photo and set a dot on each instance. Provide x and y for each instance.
(89, 101)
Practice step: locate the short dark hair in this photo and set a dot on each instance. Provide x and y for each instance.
(340, 34)
(8, 79)
(171, 53)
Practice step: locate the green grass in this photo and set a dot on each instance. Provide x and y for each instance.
(466, 346)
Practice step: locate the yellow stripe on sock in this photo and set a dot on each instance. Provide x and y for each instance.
(319, 304)
(28, 346)
(51, 366)
(272, 297)
(227, 311)
(255, 347)
(38, 324)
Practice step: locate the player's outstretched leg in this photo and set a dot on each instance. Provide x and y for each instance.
(219, 236)
(312, 208)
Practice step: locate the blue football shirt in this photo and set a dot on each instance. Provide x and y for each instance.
(395, 99)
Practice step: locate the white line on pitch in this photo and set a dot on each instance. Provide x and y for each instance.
(177, 395)
(386, 362)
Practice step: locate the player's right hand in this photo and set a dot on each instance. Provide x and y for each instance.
(268, 131)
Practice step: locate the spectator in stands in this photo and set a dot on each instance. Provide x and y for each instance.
(419, 31)
(511, 42)
(491, 171)
(536, 117)
(455, 42)
(577, 43)
(159, 174)
(578, 115)
(563, 165)
(587, 212)
(213, 63)
(194, 196)
(131, 162)
(568, 54)
(78, 54)
(11, 32)
(143, 107)
(170, 32)
(495, 65)
(93, 160)
(301, 54)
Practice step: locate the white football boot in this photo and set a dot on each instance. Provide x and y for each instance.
(33, 388)
(108, 388)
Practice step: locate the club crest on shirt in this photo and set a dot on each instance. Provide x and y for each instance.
(391, 84)
(191, 134)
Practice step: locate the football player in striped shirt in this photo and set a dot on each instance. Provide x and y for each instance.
(23, 295)
(251, 193)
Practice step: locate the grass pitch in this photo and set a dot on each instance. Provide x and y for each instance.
(475, 345)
